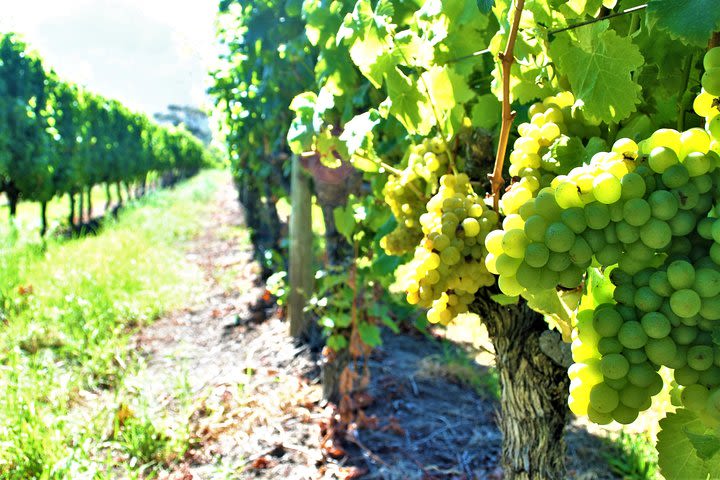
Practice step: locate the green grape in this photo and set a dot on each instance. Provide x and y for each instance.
(633, 186)
(615, 366)
(707, 282)
(607, 188)
(574, 218)
(633, 396)
(559, 238)
(646, 300)
(684, 335)
(662, 158)
(635, 355)
(656, 325)
(636, 212)
(537, 255)
(642, 375)
(711, 58)
(603, 398)
(632, 335)
(695, 397)
(661, 351)
(514, 243)
(663, 204)
(700, 357)
(656, 234)
(711, 81)
(680, 274)
(686, 375)
(609, 345)
(685, 303)
(675, 176)
(597, 216)
(624, 415)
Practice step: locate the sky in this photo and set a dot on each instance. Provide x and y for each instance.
(145, 53)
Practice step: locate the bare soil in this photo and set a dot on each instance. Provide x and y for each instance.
(256, 402)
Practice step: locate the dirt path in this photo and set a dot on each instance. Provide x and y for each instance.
(253, 405)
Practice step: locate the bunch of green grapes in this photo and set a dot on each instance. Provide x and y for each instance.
(448, 266)
(548, 145)
(406, 194)
(667, 293)
(707, 104)
(555, 237)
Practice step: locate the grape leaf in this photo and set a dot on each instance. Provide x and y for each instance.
(485, 6)
(678, 441)
(486, 112)
(370, 334)
(345, 221)
(690, 21)
(446, 88)
(358, 130)
(409, 105)
(598, 66)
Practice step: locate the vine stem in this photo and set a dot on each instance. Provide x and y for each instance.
(599, 19)
(507, 58)
(714, 41)
(465, 57)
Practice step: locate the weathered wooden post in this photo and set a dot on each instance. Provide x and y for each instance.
(301, 244)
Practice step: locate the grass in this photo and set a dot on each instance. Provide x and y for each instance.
(67, 311)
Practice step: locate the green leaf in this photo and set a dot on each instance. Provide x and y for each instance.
(485, 6)
(409, 105)
(358, 130)
(706, 446)
(345, 221)
(486, 112)
(337, 342)
(599, 66)
(342, 320)
(681, 434)
(385, 264)
(370, 334)
(446, 88)
(690, 21)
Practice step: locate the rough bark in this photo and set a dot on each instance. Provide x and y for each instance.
(333, 187)
(71, 215)
(333, 365)
(13, 195)
(108, 196)
(89, 204)
(534, 396)
(81, 207)
(43, 219)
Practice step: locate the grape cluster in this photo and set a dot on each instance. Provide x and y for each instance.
(548, 145)
(448, 268)
(405, 193)
(667, 293)
(647, 213)
(555, 237)
(707, 103)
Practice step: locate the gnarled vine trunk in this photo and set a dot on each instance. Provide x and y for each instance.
(89, 204)
(43, 219)
(13, 195)
(333, 187)
(71, 215)
(534, 397)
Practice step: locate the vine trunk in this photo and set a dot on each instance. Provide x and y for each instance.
(534, 394)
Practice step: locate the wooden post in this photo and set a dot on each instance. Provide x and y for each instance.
(301, 250)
